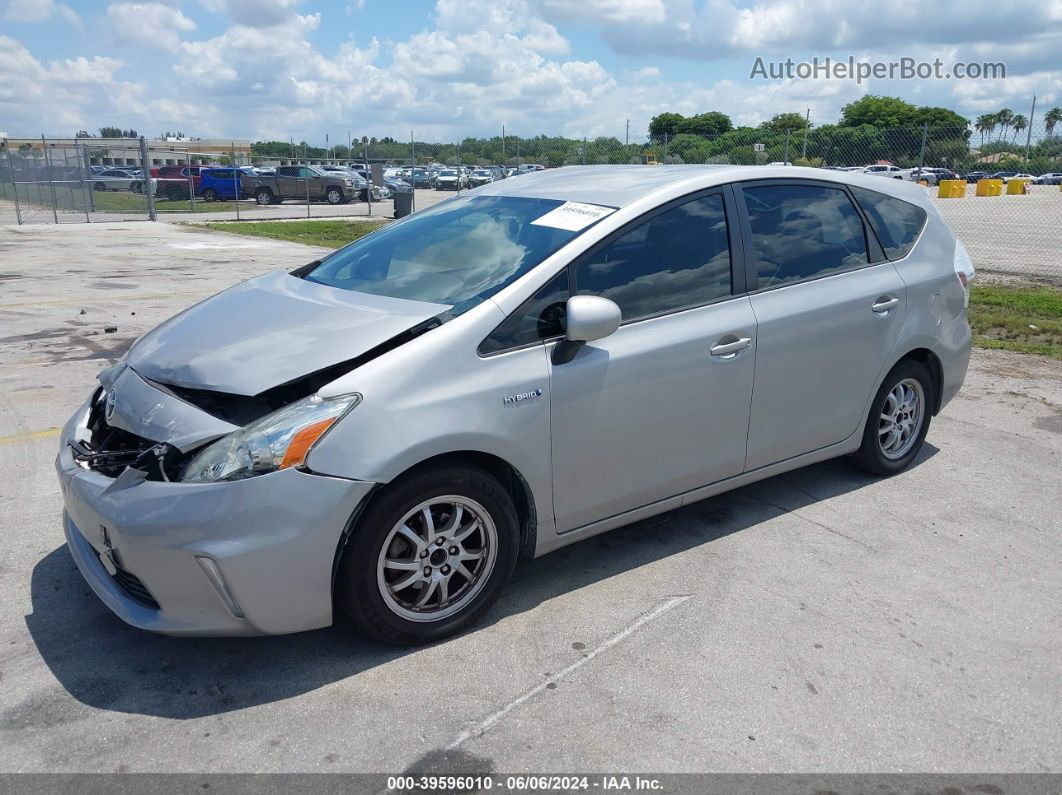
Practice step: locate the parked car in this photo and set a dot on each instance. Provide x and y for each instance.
(299, 182)
(883, 170)
(1003, 175)
(172, 182)
(223, 183)
(930, 175)
(451, 179)
(116, 179)
(1052, 178)
(1022, 175)
(480, 176)
(974, 176)
(361, 183)
(421, 178)
(388, 428)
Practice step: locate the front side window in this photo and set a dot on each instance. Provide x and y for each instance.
(803, 231)
(539, 318)
(896, 223)
(458, 252)
(676, 259)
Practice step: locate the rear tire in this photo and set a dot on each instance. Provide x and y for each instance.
(475, 563)
(898, 420)
(264, 196)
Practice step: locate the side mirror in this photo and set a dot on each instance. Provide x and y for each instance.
(587, 318)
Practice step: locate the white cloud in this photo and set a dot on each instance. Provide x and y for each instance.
(60, 96)
(621, 11)
(479, 63)
(40, 11)
(127, 22)
(254, 13)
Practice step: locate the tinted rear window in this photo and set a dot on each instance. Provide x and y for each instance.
(896, 223)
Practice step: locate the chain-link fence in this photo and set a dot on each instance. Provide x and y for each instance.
(1010, 224)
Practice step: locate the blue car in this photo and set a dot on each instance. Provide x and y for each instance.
(222, 183)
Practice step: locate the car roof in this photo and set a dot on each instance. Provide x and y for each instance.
(618, 186)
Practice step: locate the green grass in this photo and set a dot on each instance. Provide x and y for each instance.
(38, 197)
(330, 234)
(1024, 319)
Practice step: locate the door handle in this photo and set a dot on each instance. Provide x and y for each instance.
(728, 350)
(883, 305)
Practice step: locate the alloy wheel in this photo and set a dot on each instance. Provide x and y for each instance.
(901, 418)
(437, 558)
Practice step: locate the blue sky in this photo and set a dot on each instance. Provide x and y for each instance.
(449, 68)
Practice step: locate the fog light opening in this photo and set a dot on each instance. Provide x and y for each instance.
(213, 573)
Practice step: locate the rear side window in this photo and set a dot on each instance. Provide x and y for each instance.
(802, 232)
(896, 223)
(679, 258)
(540, 317)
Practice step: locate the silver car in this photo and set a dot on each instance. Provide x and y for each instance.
(521, 367)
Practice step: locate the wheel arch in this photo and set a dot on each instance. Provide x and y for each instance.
(505, 473)
(936, 372)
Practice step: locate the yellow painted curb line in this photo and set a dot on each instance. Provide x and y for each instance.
(28, 437)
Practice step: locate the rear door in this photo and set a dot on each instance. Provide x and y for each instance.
(829, 308)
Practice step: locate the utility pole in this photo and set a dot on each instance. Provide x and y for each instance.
(627, 137)
(807, 124)
(1028, 134)
(503, 144)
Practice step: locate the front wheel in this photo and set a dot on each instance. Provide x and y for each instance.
(898, 420)
(210, 195)
(334, 196)
(429, 555)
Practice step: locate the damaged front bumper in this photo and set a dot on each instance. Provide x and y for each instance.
(245, 557)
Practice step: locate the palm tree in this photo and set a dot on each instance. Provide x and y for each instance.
(1051, 118)
(1018, 123)
(985, 123)
(1003, 119)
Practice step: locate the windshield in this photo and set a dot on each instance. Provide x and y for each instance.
(448, 173)
(458, 252)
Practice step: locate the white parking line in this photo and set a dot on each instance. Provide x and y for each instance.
(491, 720)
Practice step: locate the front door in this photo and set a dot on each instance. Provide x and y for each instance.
(661, 406)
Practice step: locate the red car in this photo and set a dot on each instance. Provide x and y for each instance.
(173, 181)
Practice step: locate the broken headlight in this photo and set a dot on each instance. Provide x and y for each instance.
(277, 441)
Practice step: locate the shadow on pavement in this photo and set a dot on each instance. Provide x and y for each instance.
(108, 665)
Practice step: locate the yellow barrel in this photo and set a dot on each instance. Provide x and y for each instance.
(1016, 187)
(951, 189)
(989, 187)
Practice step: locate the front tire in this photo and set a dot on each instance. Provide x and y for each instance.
(429, 556)
(334, 196)
(210, 195)
(898, 420)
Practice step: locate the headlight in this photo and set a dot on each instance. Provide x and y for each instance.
(277, 441)
(347, 183)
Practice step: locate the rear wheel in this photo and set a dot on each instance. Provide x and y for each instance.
(898, 421)
(429, 555)
(99, 186)
(264, 196)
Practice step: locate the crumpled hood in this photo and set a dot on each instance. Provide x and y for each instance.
(268, 331)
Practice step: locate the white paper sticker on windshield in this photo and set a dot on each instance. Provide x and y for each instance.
(573, 216)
